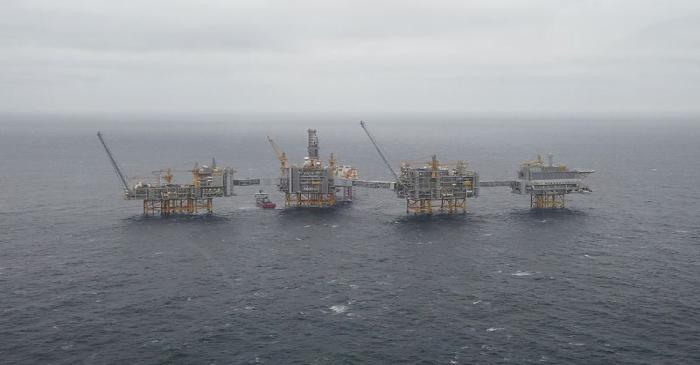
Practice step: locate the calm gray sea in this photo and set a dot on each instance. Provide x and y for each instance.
(85, 279)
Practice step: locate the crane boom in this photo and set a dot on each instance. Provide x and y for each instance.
(374, 142)
(115, 165)
(275, 148)
(280, 155)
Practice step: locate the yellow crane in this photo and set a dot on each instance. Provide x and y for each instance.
(164, 175)
(331, 165)
(167, 174)
(280, 156)
(434, 166)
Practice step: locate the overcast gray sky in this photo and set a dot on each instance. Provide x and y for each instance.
(480, 56)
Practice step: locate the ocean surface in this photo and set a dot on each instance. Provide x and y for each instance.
(615, 278)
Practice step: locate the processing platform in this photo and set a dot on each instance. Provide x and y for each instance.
(163, 197)
(432, 187)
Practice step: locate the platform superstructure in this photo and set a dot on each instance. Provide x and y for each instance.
(162, 196)
(436, 187)
(432, 187)
(549, 183)
(313, 184)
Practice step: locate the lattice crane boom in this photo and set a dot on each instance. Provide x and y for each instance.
(280, 155)
(115, 164)
(381, 154)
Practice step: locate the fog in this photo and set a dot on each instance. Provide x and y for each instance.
(481, 57)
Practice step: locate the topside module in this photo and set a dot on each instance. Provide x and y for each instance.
(548, 184)
(165, 198)
(433, 186)
(313, 184)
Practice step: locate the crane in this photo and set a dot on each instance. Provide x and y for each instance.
(115, 164)
(374, 142)
(280, 156)
(165, 174)
(331, 165)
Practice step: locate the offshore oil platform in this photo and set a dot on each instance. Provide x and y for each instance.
(548, 184)
(431, 187)
(435, 187)
(165, 198)
(313, 184)
(428, 187)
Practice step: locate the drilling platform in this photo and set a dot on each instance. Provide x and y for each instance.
(548, 184)
(313, 185)
(165, 198)
(432, 187)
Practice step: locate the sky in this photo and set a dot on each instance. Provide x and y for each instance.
(235, 56)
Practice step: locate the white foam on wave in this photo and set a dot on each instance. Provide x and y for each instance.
(339, 308)
(494, 329)
(522, 273)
